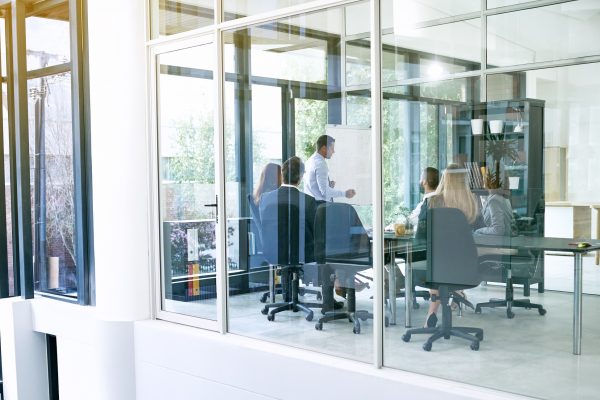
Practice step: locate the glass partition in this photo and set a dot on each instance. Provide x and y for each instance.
(48, 40)
(245, 8)
(187, 181)
(550, 33)
(169, 17)
(283, 81)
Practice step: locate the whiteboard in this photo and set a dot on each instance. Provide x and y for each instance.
(350, 165)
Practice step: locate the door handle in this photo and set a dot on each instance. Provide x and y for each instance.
(216, 206)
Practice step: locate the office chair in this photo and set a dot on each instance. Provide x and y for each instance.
(342, 249)
(256, 229)
(284, 230)
(452, 265)
(499, 268)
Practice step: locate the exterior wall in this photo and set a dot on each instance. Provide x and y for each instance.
(174, 361)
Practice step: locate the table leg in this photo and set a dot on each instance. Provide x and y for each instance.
(408, 289)
(577, 300)
(272, 289)
(392, 284)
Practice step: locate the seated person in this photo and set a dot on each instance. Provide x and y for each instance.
(288, 193)
(452, 192)
(497, 211)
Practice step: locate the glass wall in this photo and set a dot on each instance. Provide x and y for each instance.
(286, 93)
(494, 120)
(187, 181)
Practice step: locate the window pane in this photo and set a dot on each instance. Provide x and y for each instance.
(48, 40)
(7, 192)
(544, 34)
(169, 17)
(51, 156)
(284, 84)
(432, 52)
(244, 8)
(396, 14)
(187, 182)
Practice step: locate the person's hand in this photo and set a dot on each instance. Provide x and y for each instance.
(350, 193)
(332, 184)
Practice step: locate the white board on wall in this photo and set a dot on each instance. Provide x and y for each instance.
(350, 166)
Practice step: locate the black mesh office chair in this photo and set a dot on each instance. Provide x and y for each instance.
(504, 268)
(342, 249)
(285, 239)
(452, 264)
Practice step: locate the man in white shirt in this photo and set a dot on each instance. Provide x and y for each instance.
(430, 178)
(316, 178)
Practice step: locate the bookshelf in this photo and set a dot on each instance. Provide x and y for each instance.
(516, 150)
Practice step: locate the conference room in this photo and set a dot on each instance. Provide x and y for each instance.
(515, 117)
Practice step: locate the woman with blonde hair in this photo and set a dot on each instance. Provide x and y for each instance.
(452, 192)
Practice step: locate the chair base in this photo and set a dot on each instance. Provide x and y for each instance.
(509, 304)
(294, 304)
(354, 316)
(446, 330)
(301, 291)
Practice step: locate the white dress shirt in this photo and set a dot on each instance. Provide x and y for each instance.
(414, 215)
(316, 179)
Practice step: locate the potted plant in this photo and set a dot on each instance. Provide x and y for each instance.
(498, 148)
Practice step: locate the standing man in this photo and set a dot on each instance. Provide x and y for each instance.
(316, 178)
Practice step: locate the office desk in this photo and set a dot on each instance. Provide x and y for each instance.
(550, 244)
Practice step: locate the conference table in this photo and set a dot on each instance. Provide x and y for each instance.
(408, 244)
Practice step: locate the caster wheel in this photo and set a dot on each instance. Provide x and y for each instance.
(264, 311)
(387, 321)
(542, 311)
(475, 346)
(427, 346)
(263, 298)
(479, 336)
(350, 320)
(295, 309)
(271, 317)
(356, 330)
(416, 306)
(309, 317)
(319, 326)
(510, 314)
(319, 296)
(406, 337)
(477, 310)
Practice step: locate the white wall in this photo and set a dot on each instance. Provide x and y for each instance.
(174, 361)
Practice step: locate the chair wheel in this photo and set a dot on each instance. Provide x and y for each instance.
(264, 311)
(477, 310)
(510, 314)
(309, 316)
(319, 296)
(475, 346)
(387, 321)
(263, 298)
(416, 305)
(427, 346)
(356, 330)
(271, 317)
(295, 309)
(319, 326)
(406, 337)
(542, 311)
(479, 336)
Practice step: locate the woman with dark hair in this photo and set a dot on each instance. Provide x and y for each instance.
(270, 179)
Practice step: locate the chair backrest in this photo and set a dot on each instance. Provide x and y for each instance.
(283, 234)
(255, 225)
(451, 252)
(340, 235)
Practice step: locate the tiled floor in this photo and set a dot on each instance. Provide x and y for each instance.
(529, 355)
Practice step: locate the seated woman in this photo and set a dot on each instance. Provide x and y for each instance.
(270, 179)
(497, 211)
(452, 192)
